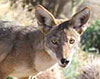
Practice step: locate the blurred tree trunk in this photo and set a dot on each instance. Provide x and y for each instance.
(75, 5)
(55, 6)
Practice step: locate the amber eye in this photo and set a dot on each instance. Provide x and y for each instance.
(71, 41)
(54, 41)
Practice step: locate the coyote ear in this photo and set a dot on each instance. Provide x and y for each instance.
(79, 19)
(44, 18)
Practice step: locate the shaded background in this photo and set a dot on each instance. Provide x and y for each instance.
(22, 13)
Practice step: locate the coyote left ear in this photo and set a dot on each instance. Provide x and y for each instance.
(45, 19)
(79, 19)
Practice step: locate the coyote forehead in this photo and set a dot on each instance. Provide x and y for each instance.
(72, 33)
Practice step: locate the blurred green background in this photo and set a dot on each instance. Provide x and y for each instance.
(22, 12)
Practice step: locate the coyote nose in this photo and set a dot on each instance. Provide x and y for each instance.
(63, 62)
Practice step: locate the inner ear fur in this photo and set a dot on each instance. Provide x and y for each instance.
(45, 19)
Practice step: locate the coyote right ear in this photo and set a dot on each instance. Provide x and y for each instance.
(81, 18)
(44, 18)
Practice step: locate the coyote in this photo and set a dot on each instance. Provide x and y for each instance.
(25, 51)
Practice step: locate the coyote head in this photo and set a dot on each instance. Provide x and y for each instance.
(60, 40)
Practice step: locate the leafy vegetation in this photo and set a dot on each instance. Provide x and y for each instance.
(91, 38)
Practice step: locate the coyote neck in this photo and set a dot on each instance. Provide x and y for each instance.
(36, 38)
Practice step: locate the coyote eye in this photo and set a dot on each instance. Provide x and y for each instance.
(54, 41)
(71, 41)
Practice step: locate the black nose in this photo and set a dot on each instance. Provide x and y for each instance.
(64, 62)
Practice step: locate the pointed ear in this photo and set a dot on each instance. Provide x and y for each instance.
(79, 19)
(44, 18)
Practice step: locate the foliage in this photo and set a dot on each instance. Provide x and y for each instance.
(91, 38)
